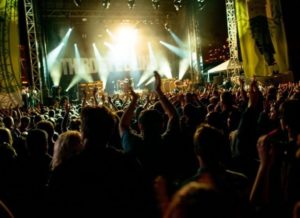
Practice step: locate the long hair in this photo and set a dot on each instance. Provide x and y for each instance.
(67, 145)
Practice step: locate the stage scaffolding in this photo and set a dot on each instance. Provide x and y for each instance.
(234, 64)
(36, 42)
(196, 63)
(33, 47)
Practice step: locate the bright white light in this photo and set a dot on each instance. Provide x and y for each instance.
(151, 66)
(53, 55)
(183, 53)
(101, 66)
(127, 35)
(150, 81)
(81, 70)
(54, 59)
(110, 46)
(122, 54)
(183, 67)
(179, 42)
(110, 34)
(55, 74)
(166, 69)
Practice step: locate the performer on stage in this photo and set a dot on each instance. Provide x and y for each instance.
(33, 98)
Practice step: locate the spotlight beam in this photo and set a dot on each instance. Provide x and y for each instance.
(150, 81)
(102, 67)
(81, 72)
(151, 66)
(178, 41)
(183, 67)
(182, 53)
(54, 59)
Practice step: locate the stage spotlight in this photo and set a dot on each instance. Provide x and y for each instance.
(105, 3)
(131, 4)
(77, 3)
(201, 4)
(177, 4)
(127, 35)
(155, 4)
(167, 27)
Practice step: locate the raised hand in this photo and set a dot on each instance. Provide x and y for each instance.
(254, 94)
(133, 94)
(84, 92)
(95, 91)
(157, 84)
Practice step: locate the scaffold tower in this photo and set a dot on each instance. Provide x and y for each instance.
(33, 46)
(234, 64)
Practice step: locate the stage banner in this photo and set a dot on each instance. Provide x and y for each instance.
(10, 74)
(262, 37)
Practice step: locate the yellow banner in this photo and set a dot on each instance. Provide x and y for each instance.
(10, 74)
(2, 7)
(262, 37)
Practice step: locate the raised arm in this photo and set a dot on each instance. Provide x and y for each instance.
(260, 189)
(65, 121)
(242, 90)
(84, 103)
(128, 114)
(95, 92)
(111, 103)
(166, 104)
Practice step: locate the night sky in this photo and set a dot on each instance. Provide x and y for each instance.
(290, 17)
(213, 23)
(214, 28)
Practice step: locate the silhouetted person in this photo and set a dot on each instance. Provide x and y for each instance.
(150, 147)
(99, 181)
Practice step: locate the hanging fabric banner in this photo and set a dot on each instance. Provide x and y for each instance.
(262, 37)
(10, 76)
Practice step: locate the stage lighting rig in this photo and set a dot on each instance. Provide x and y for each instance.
(201, 4)
(131, 4)
(167, 27)
(178, 4)
(77, 3)
(105, 3)
(155, 4)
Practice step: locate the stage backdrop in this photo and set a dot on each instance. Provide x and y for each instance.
(262, 37)
(10, 77)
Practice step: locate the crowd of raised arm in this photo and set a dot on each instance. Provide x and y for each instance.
(207, 152)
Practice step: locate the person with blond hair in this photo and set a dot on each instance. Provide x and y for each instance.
(67, 145)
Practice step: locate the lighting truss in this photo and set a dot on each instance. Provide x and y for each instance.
(131, 4)
(201, 4)
(178, 4)
(77, 3)
(105, 4)
(155, 4)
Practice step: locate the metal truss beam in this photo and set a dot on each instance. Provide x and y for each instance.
(63, 14)
(232, 36)
(35, 64)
